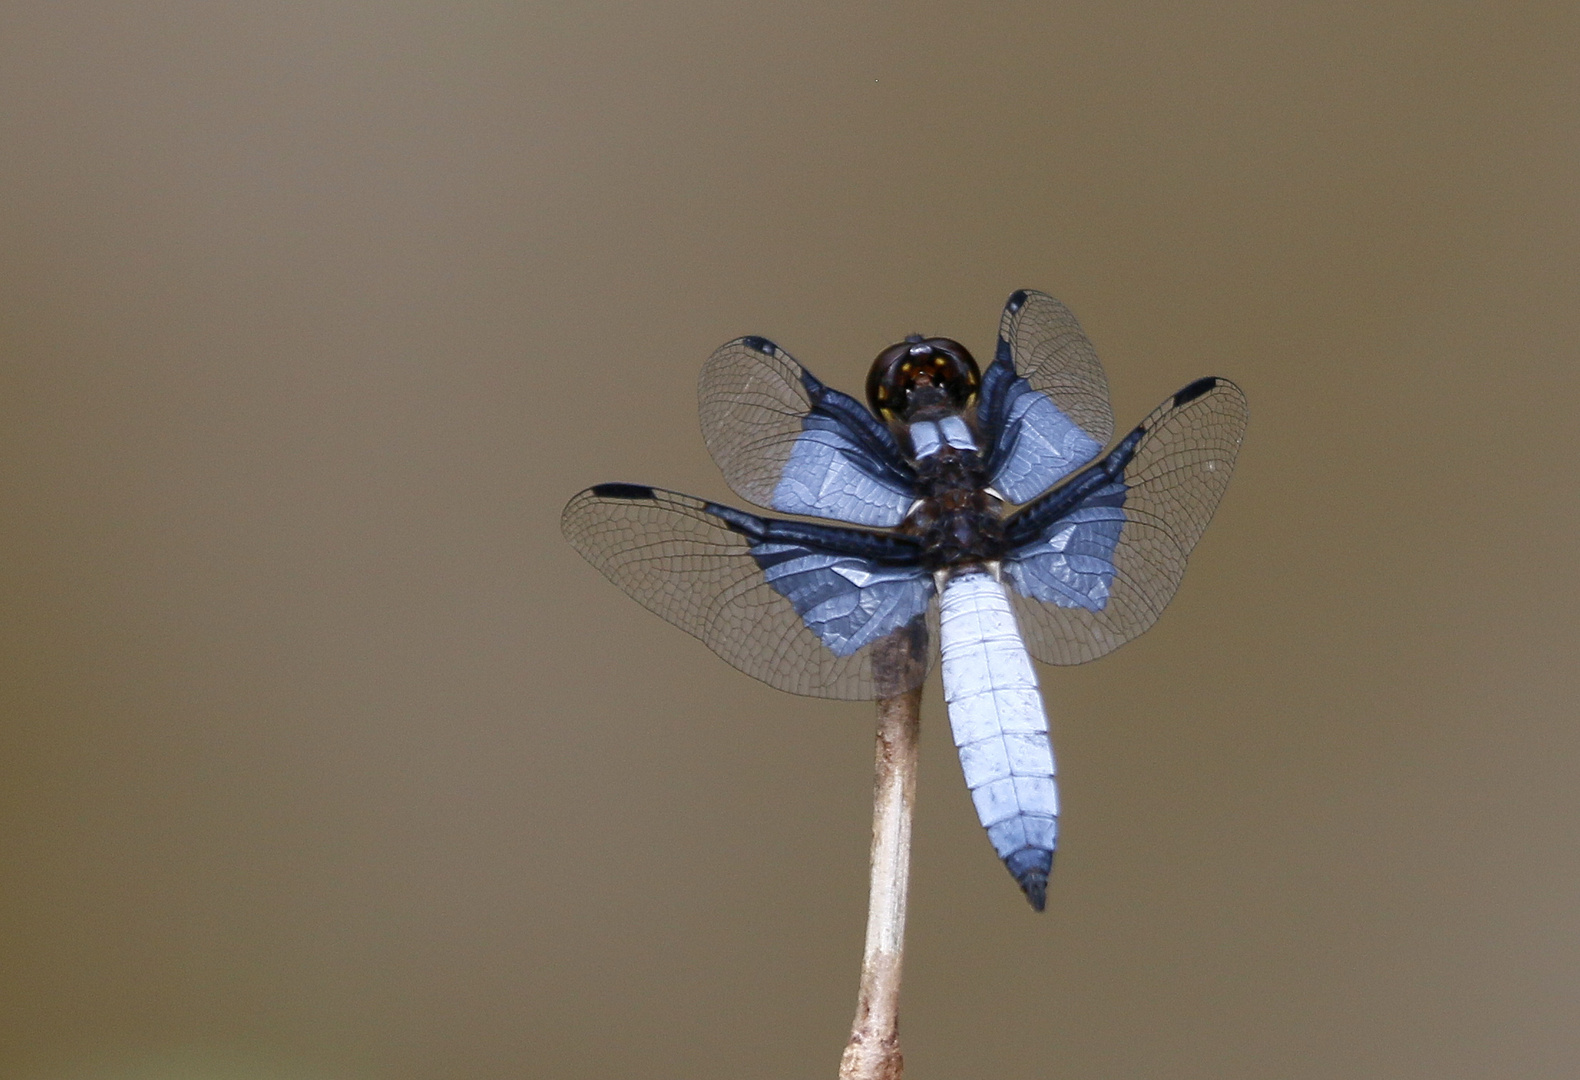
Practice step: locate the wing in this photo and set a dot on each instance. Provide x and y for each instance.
(1095, 562)
(812, 609)
(1043, 406)
(787, 442)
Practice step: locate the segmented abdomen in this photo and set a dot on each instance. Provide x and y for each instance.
(1000, 729)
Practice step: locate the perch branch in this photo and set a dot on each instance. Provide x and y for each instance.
(874, 1049)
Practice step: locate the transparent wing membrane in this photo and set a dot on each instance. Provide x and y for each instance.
(1095, 561)
(1044, 399)
(810, 609)
(785, 441)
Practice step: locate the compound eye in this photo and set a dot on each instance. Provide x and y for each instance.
(921, 371)
(954, 370)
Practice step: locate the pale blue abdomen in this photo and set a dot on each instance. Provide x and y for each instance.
(1000, 728)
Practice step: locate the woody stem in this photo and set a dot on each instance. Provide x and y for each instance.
(874, 1049)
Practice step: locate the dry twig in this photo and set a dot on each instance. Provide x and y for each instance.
(874, 1049)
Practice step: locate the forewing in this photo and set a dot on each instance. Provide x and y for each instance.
(1043, 407)
(811, 609)
(787, 442)
(1094, 563)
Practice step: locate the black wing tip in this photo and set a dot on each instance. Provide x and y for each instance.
(622, 491)
(1196, 390)
(1031, 867)
(1016, 301)
(759, 344)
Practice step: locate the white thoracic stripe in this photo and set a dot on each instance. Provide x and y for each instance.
(956, 434)
(930, 436)
(995, 711)
(926, 439)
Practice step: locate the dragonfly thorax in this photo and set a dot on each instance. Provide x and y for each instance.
(956, 519)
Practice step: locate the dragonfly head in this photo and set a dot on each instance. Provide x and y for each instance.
(921, 373)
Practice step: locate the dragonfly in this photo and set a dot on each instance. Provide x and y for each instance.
(964, 516)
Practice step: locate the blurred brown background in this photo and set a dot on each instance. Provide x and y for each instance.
(323, 757)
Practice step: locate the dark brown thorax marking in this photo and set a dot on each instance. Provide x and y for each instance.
(956, 519)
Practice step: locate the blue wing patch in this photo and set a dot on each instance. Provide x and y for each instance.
(1035, 445)
(824, 477)
(1072, 563)
(848, 602)
(1043, 405)
(786, 441)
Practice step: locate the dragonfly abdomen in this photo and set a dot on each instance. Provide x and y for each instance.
(999, 726)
